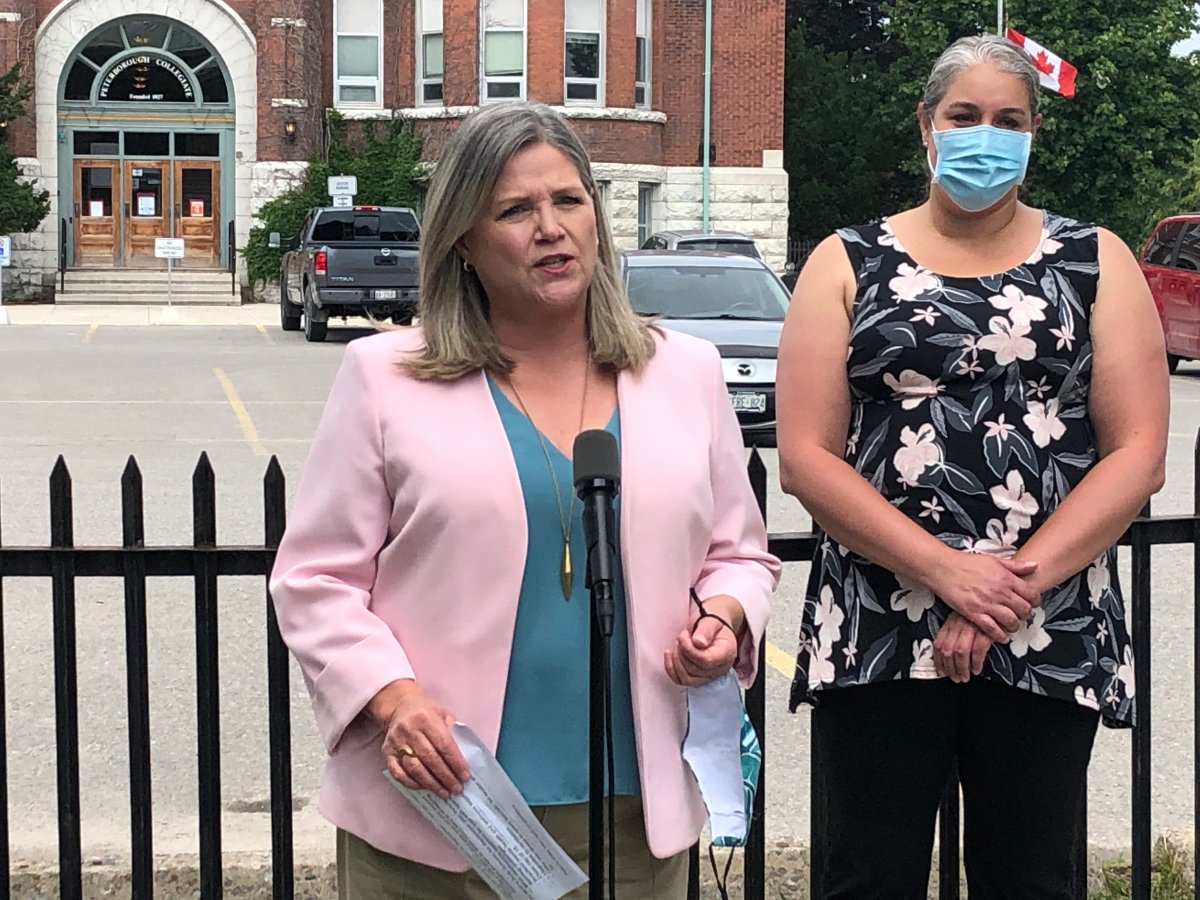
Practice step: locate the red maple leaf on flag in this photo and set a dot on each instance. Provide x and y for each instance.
(1043, 64)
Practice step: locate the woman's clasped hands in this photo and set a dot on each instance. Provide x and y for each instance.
(990, 597)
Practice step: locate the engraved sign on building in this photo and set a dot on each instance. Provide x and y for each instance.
(146, 76)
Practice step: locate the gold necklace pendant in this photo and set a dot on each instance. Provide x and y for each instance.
(566, 575)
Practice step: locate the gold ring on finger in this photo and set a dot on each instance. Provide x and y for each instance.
(404, 752)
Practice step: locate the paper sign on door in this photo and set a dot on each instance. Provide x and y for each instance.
(146, 205)
(196, 208)
(95, 207)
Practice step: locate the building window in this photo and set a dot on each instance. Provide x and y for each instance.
(645, 226)
(145, 60)
(641, 78)
(358, 53)
(430, 64)
(503, 49)
(583, 52)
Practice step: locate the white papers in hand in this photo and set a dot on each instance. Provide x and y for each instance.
(490, 824)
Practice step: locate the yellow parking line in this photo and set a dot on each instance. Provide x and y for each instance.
(263, 331)
(243, 417)
(780, 661)
(87, 338)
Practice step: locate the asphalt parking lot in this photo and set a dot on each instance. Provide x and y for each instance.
(97, 393)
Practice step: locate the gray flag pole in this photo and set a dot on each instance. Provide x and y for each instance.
(1000, 17)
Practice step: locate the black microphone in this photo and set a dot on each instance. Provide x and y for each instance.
(597, 483)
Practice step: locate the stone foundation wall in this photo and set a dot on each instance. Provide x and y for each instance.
(753, 201)
(34, 254)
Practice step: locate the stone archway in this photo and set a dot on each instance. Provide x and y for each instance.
(72, 21)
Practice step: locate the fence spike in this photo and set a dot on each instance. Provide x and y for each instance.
(204, 503)
(274, 503)
(757, 470)
(133, 524)
(62, 531)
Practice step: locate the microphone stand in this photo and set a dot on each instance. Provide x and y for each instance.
(600, 583)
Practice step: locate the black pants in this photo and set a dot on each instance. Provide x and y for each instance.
(886, 752)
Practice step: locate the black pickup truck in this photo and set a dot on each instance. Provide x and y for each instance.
(357, 261)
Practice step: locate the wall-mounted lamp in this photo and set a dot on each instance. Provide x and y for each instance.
(289, 130)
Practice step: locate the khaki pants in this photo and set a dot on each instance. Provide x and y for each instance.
(365, 873)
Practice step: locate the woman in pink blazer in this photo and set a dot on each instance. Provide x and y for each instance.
(431, 568)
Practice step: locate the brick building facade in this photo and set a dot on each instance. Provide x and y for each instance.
(181, 117)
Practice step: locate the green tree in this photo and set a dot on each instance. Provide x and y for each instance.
(1117, 152)
(386, 162)
(845, 26)
(837, 156)
(22, 208)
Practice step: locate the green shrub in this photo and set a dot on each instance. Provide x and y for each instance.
(22, 208)
(387, 163)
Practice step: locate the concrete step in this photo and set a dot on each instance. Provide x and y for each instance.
(151, 278)
(134, 275)
(178, 298)
(110, 287)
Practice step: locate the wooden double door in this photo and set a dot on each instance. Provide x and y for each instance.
(122, 206)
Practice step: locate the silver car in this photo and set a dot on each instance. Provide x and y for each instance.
(703, 242)
(734, 301)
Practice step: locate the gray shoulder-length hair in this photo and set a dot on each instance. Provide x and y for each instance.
(981, 48)
(453, 305)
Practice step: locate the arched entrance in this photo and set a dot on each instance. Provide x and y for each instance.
(146, 140)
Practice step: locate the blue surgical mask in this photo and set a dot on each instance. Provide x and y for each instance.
(977, 166)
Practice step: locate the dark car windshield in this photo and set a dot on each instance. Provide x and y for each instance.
(685, 291)
(348, 225)
(745, 248)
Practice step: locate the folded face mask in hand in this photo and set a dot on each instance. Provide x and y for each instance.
(724, 755)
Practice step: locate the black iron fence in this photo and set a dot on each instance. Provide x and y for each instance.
(231, 266)
(204, 561)
(798, 250)
(62, 254)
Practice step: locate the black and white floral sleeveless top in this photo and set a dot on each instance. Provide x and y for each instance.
(969, 413)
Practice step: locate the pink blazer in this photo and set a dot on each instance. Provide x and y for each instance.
(404, 553)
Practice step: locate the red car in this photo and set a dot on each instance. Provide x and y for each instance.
(1171, 263)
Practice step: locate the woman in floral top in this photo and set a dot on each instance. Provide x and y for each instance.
(973, 406)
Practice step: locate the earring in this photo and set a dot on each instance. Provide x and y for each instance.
(467, 267)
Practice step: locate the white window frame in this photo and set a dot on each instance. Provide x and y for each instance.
(645, 219)
(602, 190)
(429, 26)
(585, 18)
(519, 80)
(422, 81)
(340, 81)
(645, 8)
(597, 82)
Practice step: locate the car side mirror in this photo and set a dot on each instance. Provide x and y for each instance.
(273, 240)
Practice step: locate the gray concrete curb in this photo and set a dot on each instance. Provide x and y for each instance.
(249, 875)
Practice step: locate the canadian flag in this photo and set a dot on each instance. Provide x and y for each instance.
(1056, 73)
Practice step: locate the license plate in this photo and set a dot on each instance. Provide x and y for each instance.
(749, 403)
(384, 295)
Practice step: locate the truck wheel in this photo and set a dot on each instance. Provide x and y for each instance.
(313, 331)
(289, 314)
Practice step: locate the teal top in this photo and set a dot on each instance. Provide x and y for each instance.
(543, 742)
